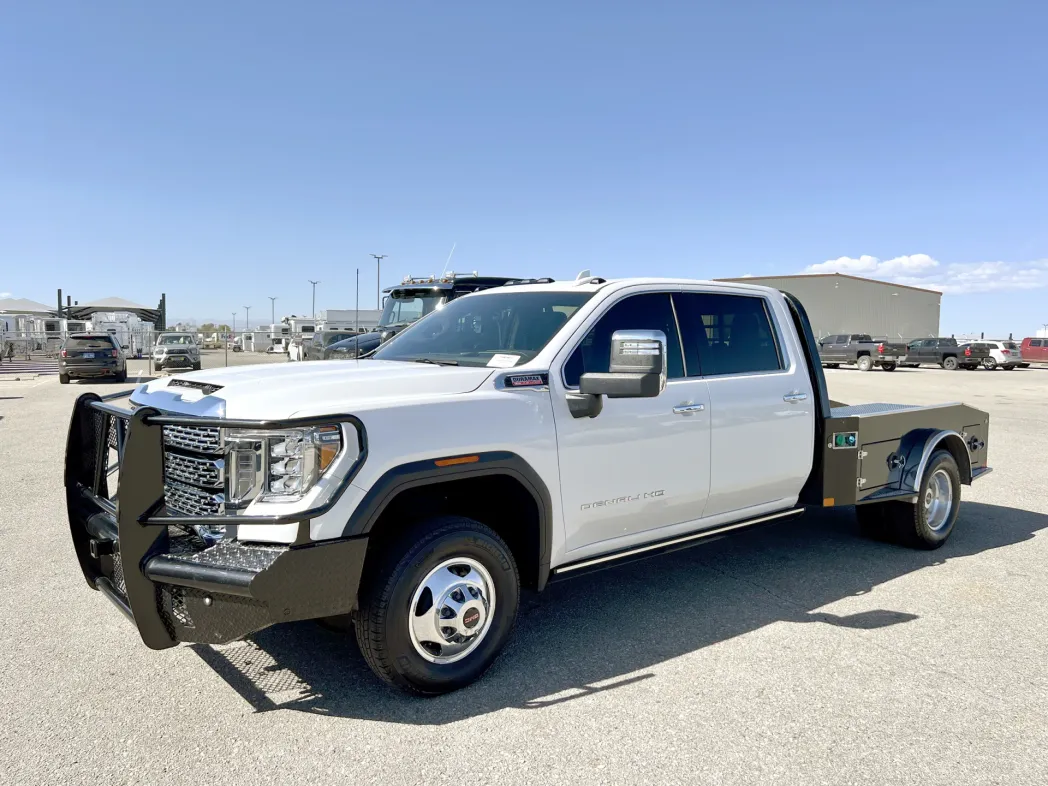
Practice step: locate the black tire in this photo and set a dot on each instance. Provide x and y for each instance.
(990, 364)
(63, 379)
(907, 524)
(382, 624)
(158, 367)
(832, 365)
(122, 376)
(864, 362)
(1009, 368)
(888, 366)
(196, 366)
(950, 363)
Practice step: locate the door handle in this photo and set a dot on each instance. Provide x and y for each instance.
(687, 409)
(794, 397)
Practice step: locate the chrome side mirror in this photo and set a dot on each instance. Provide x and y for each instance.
(636, 369)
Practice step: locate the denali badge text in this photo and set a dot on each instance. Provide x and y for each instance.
(603, 503)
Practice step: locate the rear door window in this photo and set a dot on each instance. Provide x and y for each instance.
(1036, 342)
(727, 334)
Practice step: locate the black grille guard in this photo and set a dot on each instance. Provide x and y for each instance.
(133, 519)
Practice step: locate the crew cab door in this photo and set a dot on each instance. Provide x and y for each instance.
(762, 401)
(832, 352)
(642, 464)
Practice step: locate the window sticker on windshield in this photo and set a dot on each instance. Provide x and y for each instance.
(503, 361)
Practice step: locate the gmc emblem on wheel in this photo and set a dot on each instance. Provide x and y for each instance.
(603, 503)
(471, 618)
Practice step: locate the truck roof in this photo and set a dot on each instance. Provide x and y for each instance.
(594, 284)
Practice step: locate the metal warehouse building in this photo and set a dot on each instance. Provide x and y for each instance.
(837, 303)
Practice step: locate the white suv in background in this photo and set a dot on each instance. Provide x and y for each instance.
(1003, 354)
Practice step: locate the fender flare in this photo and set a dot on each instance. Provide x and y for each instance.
(427, 473)
(918, 446)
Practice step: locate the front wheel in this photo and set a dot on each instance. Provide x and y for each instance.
(989, 364)
(927, 523)
(888, 366)
(196, 366)
(438, 606)
(865, 363)
(950, 364)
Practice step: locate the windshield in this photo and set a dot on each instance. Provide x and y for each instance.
(179, 340)
(407, 305)
(499, 330)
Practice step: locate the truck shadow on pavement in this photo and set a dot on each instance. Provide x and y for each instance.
(593, 633)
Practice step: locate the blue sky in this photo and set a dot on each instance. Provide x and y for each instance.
(226, 152)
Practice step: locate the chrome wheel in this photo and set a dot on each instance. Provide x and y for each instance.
(451, 610)
(938, 500)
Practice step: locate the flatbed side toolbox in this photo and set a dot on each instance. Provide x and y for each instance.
(876, 452)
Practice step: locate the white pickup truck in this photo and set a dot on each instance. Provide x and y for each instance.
(516, 436)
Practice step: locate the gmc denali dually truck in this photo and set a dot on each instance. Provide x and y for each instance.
(515, 436)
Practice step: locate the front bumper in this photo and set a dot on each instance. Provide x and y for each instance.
(159, 573)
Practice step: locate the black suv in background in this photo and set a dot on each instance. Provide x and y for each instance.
(318, 348)
(86, 355)
(933, 351)
(409, 301)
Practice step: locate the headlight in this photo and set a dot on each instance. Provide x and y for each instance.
(280, 465)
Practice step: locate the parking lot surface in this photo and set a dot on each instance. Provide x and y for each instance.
(799, 653)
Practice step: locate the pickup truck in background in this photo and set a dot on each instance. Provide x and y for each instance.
(859, 349)
(1033, 350)
(516, 436)
(975, 355)
(940, 352)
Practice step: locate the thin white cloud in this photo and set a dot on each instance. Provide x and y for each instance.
(5, 295)
(955, 278)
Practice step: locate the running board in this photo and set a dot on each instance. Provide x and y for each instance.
(673, 544)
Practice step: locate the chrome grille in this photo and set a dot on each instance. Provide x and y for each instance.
(192, 501)
(199, 439)
(195, 471)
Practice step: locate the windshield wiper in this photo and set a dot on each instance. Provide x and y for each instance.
(435, 362)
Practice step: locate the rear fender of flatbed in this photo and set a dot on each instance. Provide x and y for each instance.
(877, 452)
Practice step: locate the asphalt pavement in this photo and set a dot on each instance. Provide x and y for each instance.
(800, 653)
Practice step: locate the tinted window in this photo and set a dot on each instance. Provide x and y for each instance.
(638, 312)
(1036, 342)
(727, 334)
(89, 342)
(947, 342)
(1010, 345)
(861, 337)
(929, 343)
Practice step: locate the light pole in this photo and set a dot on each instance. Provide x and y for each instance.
(378, 279)
(356, 314)
(234, 329)
(313, 314)
(247, 317)
(273, 310)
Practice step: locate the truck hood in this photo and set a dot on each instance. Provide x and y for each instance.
(283, 390)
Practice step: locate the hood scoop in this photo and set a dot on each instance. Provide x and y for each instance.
(206, 388)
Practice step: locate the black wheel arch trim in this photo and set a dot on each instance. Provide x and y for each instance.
(417, 474)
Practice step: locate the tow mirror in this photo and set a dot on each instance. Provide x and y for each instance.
(636, 369)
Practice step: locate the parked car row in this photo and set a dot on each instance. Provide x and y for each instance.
(864, 352)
